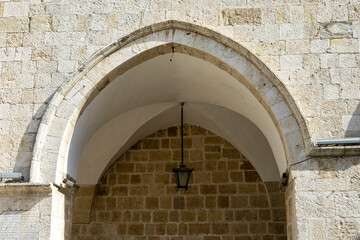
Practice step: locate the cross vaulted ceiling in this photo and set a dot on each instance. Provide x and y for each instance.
(146, 99)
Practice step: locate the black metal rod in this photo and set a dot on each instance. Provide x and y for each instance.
(182, 133)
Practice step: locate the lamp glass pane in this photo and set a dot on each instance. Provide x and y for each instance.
(183, 178)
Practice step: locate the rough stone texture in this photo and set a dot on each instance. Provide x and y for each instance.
(241, 16)
(323, 200)
(312, 46)
(25, 211)
(137, 197)
(42, 43)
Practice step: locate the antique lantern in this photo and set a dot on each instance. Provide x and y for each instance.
(182, 173)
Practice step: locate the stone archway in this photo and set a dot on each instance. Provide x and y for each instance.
(279, 120)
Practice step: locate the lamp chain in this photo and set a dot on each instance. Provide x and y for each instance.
(182, 133)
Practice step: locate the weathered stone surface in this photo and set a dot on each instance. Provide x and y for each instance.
(40, 23)
(127, 200)
(336, 30)
(311, 46)
(13, 24)
(345, 45)
(11, 220)
(241, 16)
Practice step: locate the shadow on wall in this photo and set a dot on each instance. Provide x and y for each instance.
(26, 144)
(351, 123)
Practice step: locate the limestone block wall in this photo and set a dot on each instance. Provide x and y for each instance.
(323, 199)
(312, 46)
(137, 199)
(25, 211)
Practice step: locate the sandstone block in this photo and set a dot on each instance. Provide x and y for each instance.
(39, 23)
(319, 45)
(16, 9)
(124, 167)
(165, 143)
(331, 91)
(135, 229)
(264, 215)
(110, 203)
(121, 229)
(227, 189)
(291, 62)
(277, 200)
(96, 229)
(282, 14)
(160, 216)
(344, 45)
(297, 46)
(165, 202)
(194, 202)
(271, 48)
(123, 178)
(212, 148)
(239, 228)
(179, 202)
(23, 54)
(291, 31)
(258, 201)
(251, 176)
(152, 203)
(354, 12)
(241, 16)
(163, 155)
(336, 30)
(139, 190)
(349, 91)
(135, 179)
(212, 156)
(171, 229)
(347, 60)
(13, 24)
(258, 228)
(188, 216)
(83, 203)
(103, 216)
(213, 140)
(208, 189)
(220, 177)
(129, 203)
(4, 111)
(276, 228)
(151, 144)
(223, 201)
(176, 143)
(196, 154)
(210, 202)
(220, 228)
(329, 60)
(197, 229)
(297, 14)
(172, 131)
(174, 216)
(67, 23)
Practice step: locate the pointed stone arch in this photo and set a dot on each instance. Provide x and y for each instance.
(70, 100)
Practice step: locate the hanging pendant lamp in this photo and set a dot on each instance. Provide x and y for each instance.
(182, 173)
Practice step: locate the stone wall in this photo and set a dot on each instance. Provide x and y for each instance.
(25, 211)
(312, 46)
(324, 199)
(137, 199)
